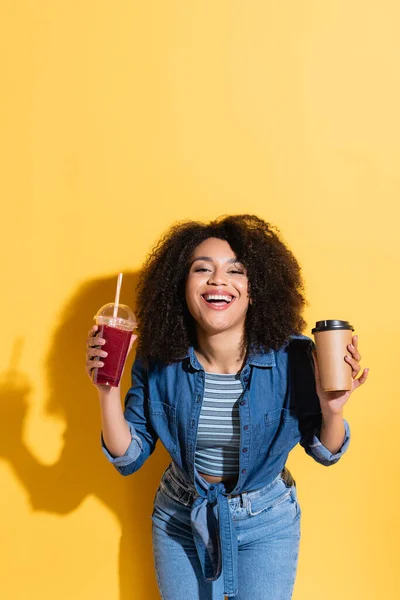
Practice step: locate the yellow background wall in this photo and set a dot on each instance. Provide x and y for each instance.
(119, 118)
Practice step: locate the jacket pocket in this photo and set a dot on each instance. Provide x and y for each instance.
(163, 420)
(281, 431)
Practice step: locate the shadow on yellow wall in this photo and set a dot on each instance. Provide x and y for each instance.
(82, 470)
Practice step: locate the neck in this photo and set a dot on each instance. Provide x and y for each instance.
(222, 352)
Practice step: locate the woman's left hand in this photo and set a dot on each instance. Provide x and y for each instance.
(333, 402)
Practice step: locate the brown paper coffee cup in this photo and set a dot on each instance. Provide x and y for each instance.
(331, 339)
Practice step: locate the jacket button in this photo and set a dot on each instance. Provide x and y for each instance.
(244, 449)
(243, 402)
(245, 427)
(244, 471)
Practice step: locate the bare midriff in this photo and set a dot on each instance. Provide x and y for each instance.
(231, 480)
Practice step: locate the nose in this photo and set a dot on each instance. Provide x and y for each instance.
(217, 277)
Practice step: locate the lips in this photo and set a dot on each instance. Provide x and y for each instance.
(218, 301)
(217, 297)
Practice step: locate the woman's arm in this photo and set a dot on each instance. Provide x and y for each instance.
(127, 436)
(116, 433)
(332, 432)
(323, 438)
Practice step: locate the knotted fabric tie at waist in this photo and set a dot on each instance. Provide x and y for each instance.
(215, 537)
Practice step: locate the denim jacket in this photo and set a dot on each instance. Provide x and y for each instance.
(278, 409)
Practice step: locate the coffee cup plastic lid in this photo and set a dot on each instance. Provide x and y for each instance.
(331, 324)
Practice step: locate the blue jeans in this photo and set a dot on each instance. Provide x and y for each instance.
(267, 524)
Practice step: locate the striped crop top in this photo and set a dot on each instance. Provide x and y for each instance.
(218, 435)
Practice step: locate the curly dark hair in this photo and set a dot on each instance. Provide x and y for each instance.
(275, 285)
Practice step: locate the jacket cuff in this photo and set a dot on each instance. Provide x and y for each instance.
(132, 453)
(322, 454)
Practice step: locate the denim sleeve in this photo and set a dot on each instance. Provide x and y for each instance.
(144, 438)
(132, 453)
(322, 455)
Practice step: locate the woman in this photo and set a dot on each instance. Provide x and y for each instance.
(227, 382)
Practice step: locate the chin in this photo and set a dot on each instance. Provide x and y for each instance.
(218, 327)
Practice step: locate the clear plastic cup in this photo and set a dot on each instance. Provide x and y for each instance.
(117, 331)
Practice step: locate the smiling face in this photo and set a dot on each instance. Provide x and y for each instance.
(217, 287)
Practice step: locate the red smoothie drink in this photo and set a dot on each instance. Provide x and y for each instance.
(115, 324)
(117, 344)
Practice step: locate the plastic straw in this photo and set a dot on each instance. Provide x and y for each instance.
(117, 293)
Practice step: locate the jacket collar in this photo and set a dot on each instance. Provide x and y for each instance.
(257, 359)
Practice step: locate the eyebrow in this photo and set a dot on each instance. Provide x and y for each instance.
(209, 259)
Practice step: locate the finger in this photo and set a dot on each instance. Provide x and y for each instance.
(361, 380)
(94, 333)
(95, 341)
(354, 352)
(355, 367)
(96, 352)
(94, 364)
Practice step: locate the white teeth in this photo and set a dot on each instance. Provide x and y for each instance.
(217, 297)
